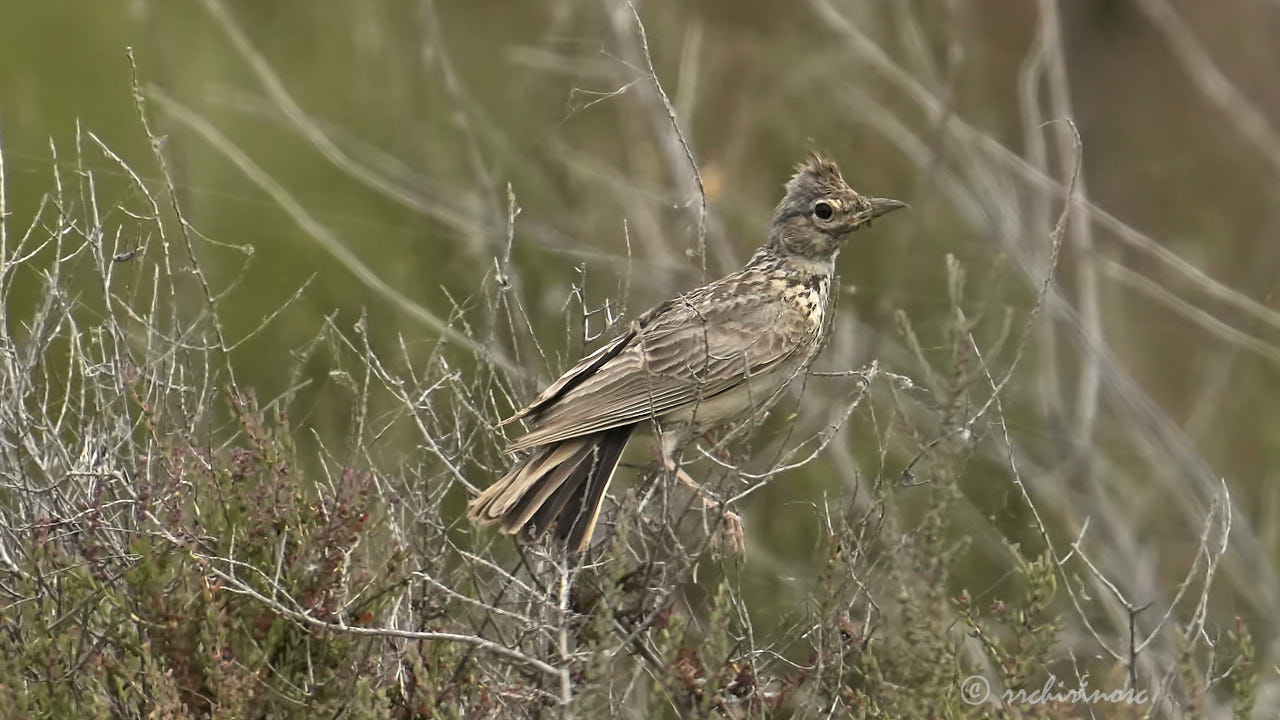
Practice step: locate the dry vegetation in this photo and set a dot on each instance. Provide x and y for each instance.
(965, 494)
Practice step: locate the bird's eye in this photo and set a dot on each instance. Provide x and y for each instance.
(822, 210)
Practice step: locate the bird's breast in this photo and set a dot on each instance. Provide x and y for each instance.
(807, 296)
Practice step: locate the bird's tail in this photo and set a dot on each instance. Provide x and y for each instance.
(561, 484)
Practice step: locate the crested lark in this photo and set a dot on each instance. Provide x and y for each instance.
(694, 362)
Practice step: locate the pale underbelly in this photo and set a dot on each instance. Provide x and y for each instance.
(729, 405)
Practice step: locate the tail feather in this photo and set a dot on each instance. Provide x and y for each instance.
(549, 512)
(498, 499)
(583, 508)
(560, 484)
(584, 489)
(539, 489)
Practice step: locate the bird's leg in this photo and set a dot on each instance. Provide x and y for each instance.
(733, 535)
(720, 452)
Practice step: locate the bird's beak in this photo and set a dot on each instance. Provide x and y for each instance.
(880, 206)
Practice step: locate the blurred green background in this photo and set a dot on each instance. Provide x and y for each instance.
(397, 128)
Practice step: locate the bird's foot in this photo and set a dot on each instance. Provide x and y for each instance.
(718, 451)
(730, 533)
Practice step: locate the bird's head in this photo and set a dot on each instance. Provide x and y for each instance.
(820, 210)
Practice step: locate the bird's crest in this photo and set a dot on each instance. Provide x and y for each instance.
(816, 174)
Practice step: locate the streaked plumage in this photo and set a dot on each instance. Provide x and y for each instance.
(689, 364)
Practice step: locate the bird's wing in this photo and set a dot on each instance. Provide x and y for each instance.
(580, 371)
(684, 351)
